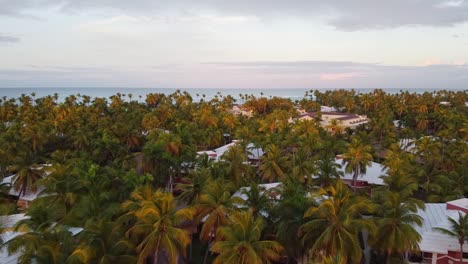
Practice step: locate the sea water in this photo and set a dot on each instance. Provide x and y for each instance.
(139, 94)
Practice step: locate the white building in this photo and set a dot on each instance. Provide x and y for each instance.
(436, 247)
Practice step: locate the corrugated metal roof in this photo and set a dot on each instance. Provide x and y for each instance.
(436, 215)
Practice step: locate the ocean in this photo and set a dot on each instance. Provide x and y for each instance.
(139, 94)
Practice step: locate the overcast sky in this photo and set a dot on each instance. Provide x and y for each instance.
(234, 43)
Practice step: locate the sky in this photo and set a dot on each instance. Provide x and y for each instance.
(234, 43)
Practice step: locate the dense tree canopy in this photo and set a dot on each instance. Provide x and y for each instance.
(126, 173)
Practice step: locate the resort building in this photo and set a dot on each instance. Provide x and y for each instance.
(327, 119)
(345, 120)
(436, 247)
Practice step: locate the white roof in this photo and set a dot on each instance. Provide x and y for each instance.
(255, 153)
(4, 257)
(435, 215)
(372, 176)
(460, 203)
(9, 221)
(28, 196)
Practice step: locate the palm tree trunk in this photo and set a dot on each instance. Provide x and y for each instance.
(207, 250)
(389, 258)
(461, 253)
(156, 252)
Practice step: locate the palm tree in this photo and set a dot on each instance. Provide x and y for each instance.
(27, 175)
(98, 245)
(396, 233)
(192, 186)
(272, 165)
(328, 172)
(216, 203)
(288, 217)
(337, 221)
(52, 246)
(157, 224)
(257, 200)
(235, 160)
(458, 229)
(357, 158)
(241, 242)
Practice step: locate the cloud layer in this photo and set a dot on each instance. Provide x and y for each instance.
(8, 39)
(260, 74)
(343, 15)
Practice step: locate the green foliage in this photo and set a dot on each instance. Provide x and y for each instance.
(107, 155)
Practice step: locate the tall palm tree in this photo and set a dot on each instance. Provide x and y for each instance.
(458, 229)
(241, 242)
(273, 165)
(328, 172)
(357, 158)
(157, 225)
(258, 200)
(235, 160)
(52, 246)
(337, 222)
(192, 185)
(396, 233)
(216, 203)
(27, 175)
(288, 217)
(98, 245)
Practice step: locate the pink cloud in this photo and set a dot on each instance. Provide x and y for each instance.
(337, 76)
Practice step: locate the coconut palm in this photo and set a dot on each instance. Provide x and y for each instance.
(52, 246)
(396, 233)
(192, 186)
(241, 242)
(156, 226)
(258, 199)
(98, 245)
(27, 175)
(288, 217)
(337, 222)
(328, 172)
(273, 164)
(216, 203)
(235, 160)
(458, 229)
(357, 158)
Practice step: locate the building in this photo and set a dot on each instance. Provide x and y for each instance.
(254, 153)
(344, 120)
(373, 175)
(436, 247)
(241, 110)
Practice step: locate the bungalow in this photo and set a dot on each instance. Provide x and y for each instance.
(436, 247)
